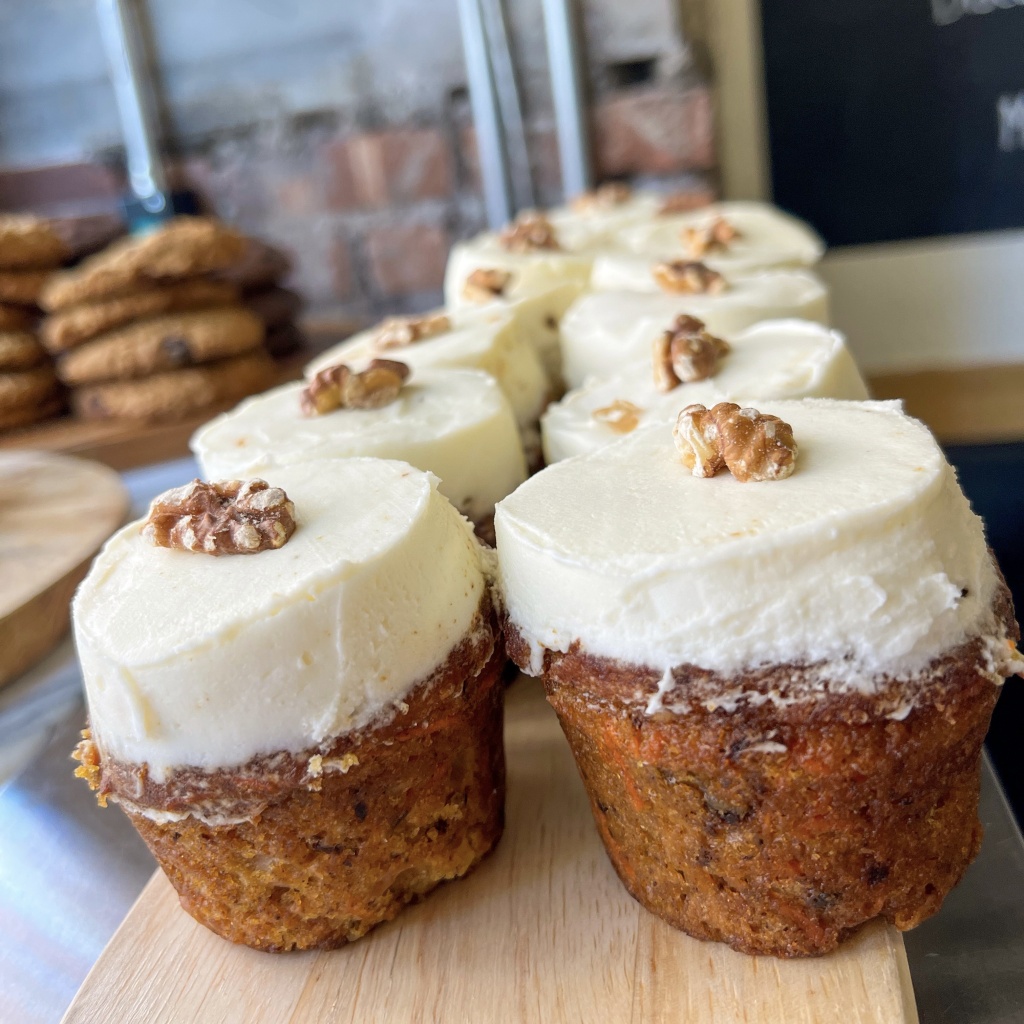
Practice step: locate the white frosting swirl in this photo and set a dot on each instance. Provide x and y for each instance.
(192, 660)
(455, 423)
(868, 560)
(605, 332)
(771, 360)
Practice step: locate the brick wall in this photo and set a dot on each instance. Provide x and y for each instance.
(370, 215)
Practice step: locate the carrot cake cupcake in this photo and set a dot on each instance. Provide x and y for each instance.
(733, 237)
(456, 424)
(485, 339)
(773, 359)
(294, 693)
(607, 332)
(774, 639)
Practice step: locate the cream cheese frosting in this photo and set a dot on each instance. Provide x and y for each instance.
(773, 359)
(456, 424)
(531, 272)
(485, 339)
(536, 315)
(208, 662)
(603, 333)
(867, 560)
(766, 237)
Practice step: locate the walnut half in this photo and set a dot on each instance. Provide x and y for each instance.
(688, 277)
(604, 197)
(399, 331)
(714, 236)
(750, 444)
(685, 353)
(621, 416)
(339, 387)
(486, 284)
(231, 518)
(529, 232)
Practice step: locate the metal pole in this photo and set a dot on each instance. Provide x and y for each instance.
(510, 109)
(565, 64)
(486, 116)
(130, 78)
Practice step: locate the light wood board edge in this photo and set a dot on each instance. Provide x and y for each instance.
(966, 405)
(542, 931)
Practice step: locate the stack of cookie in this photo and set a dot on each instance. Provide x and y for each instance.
(258, 277)
(145, 330)
(29, 250)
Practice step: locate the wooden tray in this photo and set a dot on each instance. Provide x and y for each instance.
(542, 931)
(55, 512)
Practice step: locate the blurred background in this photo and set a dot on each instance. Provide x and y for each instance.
(363, 140)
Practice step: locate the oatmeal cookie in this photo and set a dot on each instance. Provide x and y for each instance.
(262, 265)
(28, 243)
(15, 318)
(183, 247)
(26, 388)
(177, 393)
(274, 306)
(19, 350)
(71, 327)
(162, 343)
(22, 287)
(28, 414)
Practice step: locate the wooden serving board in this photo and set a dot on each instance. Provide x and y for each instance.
(542, 931)
(55, 512)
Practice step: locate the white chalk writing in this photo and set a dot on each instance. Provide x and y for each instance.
(945, 12)
(1010, 112)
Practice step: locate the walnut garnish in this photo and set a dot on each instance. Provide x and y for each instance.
(685, 353)
(530, 231)
(714, 236)
(231, 518)
(90, 767)
(339, 387)
(604, 197)
(485, 284)
(688, 277)
(750, 444)
(622, 416)
(683, 202)
(399, 331)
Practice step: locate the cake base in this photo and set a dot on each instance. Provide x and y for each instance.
(779, 828)
(344, 838)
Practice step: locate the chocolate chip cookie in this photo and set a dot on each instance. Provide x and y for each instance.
(261, 266)
(162, 343)
(24, 388)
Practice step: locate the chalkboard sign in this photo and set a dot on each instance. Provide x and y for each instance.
(892, 119)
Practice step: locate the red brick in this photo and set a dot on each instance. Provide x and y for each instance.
(387, 168)
(341, 184)
(469, 155)
(407, 258)
(297, 194)
(40, 188)
(654, 130)
(342, 273)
